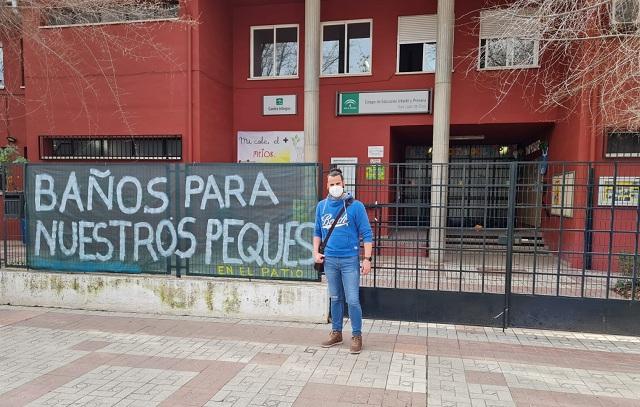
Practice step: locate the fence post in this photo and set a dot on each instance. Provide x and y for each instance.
(588, 228)
(177, 169)
(24, 214)
(511, 217)
(634, 274)
(612, 227)
(376, 241)
(3, 174)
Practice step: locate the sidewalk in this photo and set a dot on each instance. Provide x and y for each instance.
(51, 357)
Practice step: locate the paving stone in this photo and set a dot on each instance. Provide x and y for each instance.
(72, 357)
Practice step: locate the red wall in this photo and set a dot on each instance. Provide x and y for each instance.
(213, 82)
(147, 96)
(474, 96)
(199, 87)
(12, 111)
(247, 100)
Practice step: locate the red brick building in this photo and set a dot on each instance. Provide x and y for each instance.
(189, 101)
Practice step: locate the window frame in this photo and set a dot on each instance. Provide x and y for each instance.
(45, 25)
(513, 32)
(346, 23)
(399, 43)
(398, 72)
(3, 83)
(103, 143)
(615, 156)
(510, 54)
(22, 74)
(614, 17)
(275, 27)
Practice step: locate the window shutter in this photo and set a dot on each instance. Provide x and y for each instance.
(506, 24)
(412, 29)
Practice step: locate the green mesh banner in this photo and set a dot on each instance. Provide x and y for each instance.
(233, 220)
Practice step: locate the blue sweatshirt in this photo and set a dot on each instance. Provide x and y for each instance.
(354, 223)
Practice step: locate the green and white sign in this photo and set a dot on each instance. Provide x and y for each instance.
(279, 105)
(385, 102)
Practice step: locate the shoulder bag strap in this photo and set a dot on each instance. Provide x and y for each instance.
(333, 225)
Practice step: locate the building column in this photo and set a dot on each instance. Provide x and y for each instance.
(441, 122)
(311, 79)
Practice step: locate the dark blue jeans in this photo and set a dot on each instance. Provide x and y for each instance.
(343, 276)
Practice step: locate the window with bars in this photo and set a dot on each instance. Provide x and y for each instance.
(111, 148)
(1, 66)
(142, 11)
(620, 144)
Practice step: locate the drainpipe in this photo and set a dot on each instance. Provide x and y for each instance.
(190, 92)
(441, 122)
(311, 79)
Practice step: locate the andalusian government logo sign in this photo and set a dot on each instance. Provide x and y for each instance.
(350, 103)
(384, 102)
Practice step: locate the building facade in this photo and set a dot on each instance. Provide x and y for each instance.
(210, 81)
(220, 89)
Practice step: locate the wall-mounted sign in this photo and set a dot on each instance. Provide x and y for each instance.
(533, 147)
(627, 190)
(278, 105)
(562, 194)
(271, 146)
(386, 102)
(375, 172)
(375, 151)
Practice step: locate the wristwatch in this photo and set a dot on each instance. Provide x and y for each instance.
(367, 258)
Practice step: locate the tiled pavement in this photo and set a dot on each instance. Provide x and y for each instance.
(80, 358)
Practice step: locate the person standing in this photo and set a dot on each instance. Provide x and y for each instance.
(341, 256)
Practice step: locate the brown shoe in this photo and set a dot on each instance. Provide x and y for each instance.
(335, 338)
(356, 344)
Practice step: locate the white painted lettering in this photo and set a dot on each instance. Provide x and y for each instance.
(107, 198)
(190, 189)
(162, 196)
(261, 180)
(120, 196)
(71, 192)
(185, 234)
(237, 192)
(40, 191)
(211, 237)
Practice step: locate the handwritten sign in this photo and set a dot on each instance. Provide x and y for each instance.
(271, 146)
(225, 219)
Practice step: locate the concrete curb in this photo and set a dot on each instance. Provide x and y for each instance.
(212, 297)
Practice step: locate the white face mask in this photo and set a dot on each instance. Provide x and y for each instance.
(336, 191)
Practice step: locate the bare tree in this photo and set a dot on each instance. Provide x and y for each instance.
(76, 40)
(588, 48)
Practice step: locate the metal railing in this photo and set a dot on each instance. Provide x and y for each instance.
(547, 229)
(541, 228)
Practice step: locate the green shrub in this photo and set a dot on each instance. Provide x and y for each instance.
(625, 268)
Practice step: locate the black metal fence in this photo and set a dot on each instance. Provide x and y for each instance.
(538, 228)
(14, 243)
(537, 244)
